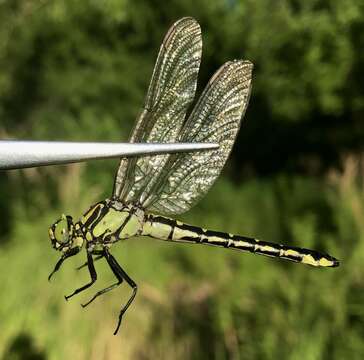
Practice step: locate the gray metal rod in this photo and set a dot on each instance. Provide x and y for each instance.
(15, 154)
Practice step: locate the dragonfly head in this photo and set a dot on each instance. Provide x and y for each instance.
(63, 234)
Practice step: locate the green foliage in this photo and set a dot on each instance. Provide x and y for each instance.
(200, 302)
(67, 66)
(89, 56)
(304, 52)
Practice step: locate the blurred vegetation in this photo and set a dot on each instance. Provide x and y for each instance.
(79, 71)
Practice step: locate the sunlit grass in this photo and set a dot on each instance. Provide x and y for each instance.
(194, 301)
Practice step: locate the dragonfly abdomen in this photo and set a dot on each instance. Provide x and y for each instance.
(163, 228)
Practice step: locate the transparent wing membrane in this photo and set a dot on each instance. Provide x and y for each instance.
(216, 118)
(171, 91)
(171, 184)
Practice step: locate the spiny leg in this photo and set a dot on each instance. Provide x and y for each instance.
(85, 264)
(67, 254)
(103, 291)
(121, 274)
(93, 275)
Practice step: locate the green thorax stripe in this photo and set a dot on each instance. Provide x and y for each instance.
(93, 215)
(163, 228)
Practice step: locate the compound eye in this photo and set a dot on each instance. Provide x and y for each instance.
(61, 232)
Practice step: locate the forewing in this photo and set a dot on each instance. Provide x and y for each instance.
(171, 91)
(216, 118)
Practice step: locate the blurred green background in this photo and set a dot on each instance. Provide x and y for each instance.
(79, 71)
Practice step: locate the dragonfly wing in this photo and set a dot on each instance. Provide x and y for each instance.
(171, 91)
(216, 118)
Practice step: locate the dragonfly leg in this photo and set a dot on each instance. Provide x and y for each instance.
(67, 254)
(86, 263)
(93, 275)
(120, 274)
(103, 291)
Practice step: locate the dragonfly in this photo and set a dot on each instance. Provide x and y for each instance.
(148, 190)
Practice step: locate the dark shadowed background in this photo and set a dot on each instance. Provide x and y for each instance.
(79, 71)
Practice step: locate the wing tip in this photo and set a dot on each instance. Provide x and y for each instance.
(245, 66)
(187, 21)
(178, 26)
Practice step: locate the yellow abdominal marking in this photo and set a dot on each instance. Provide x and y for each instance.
(267, 249)
(295, 254)
(216, 239)
(325, 262)
(308, 259)
(156, 230)
(242, 244)
(178, 233)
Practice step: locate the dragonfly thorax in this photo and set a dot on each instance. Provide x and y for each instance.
(110, 221)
